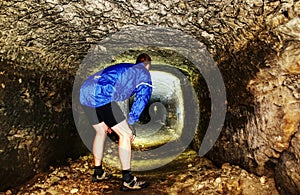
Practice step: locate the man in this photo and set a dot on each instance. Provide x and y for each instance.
(99, 94)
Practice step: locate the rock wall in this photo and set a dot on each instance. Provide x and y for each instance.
(35, 123)
(255, 44)
(277, 110)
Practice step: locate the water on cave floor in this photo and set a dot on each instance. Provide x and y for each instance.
(187, 174)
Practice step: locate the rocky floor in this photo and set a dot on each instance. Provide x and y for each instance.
(188, 174)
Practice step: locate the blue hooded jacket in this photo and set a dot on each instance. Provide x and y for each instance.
(118, 83)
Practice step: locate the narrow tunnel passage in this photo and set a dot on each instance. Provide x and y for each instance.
(182, 172)
(162, 119)
(163, 132)
(170, 121)
(255, 45)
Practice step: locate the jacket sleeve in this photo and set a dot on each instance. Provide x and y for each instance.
(142, 96)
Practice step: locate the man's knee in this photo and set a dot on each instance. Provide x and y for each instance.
(122, 130)
(124, 134)
(100, 128)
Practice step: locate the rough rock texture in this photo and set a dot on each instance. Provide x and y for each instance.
(199, 176)
(35, 123)
(255, 44)
(279, 99)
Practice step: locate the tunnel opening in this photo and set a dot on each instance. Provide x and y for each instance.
(162, 119)
(180, 94)
(164, 115)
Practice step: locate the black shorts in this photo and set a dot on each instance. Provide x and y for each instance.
(111, 114)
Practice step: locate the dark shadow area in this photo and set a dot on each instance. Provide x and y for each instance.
(237, 70)
(37, 128)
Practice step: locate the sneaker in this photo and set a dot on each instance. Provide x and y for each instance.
(133, 185)
(98, 178)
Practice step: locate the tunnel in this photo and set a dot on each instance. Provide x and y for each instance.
(48, 47)
(163, 113)
(169, 122)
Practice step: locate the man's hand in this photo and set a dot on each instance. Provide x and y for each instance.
(132, 129)
(133, 132)
(109, 130)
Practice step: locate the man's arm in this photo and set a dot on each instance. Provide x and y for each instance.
(142, 96)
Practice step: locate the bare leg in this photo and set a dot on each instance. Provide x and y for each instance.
(129, 182)
(125, 137)
(98, 144)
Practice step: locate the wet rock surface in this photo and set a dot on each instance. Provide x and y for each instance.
(188, 174)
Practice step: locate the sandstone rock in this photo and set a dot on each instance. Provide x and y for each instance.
(255, 45)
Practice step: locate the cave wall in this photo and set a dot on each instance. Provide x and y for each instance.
(261, 131)
(277, 110)
(35, 123)
(255, 44)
